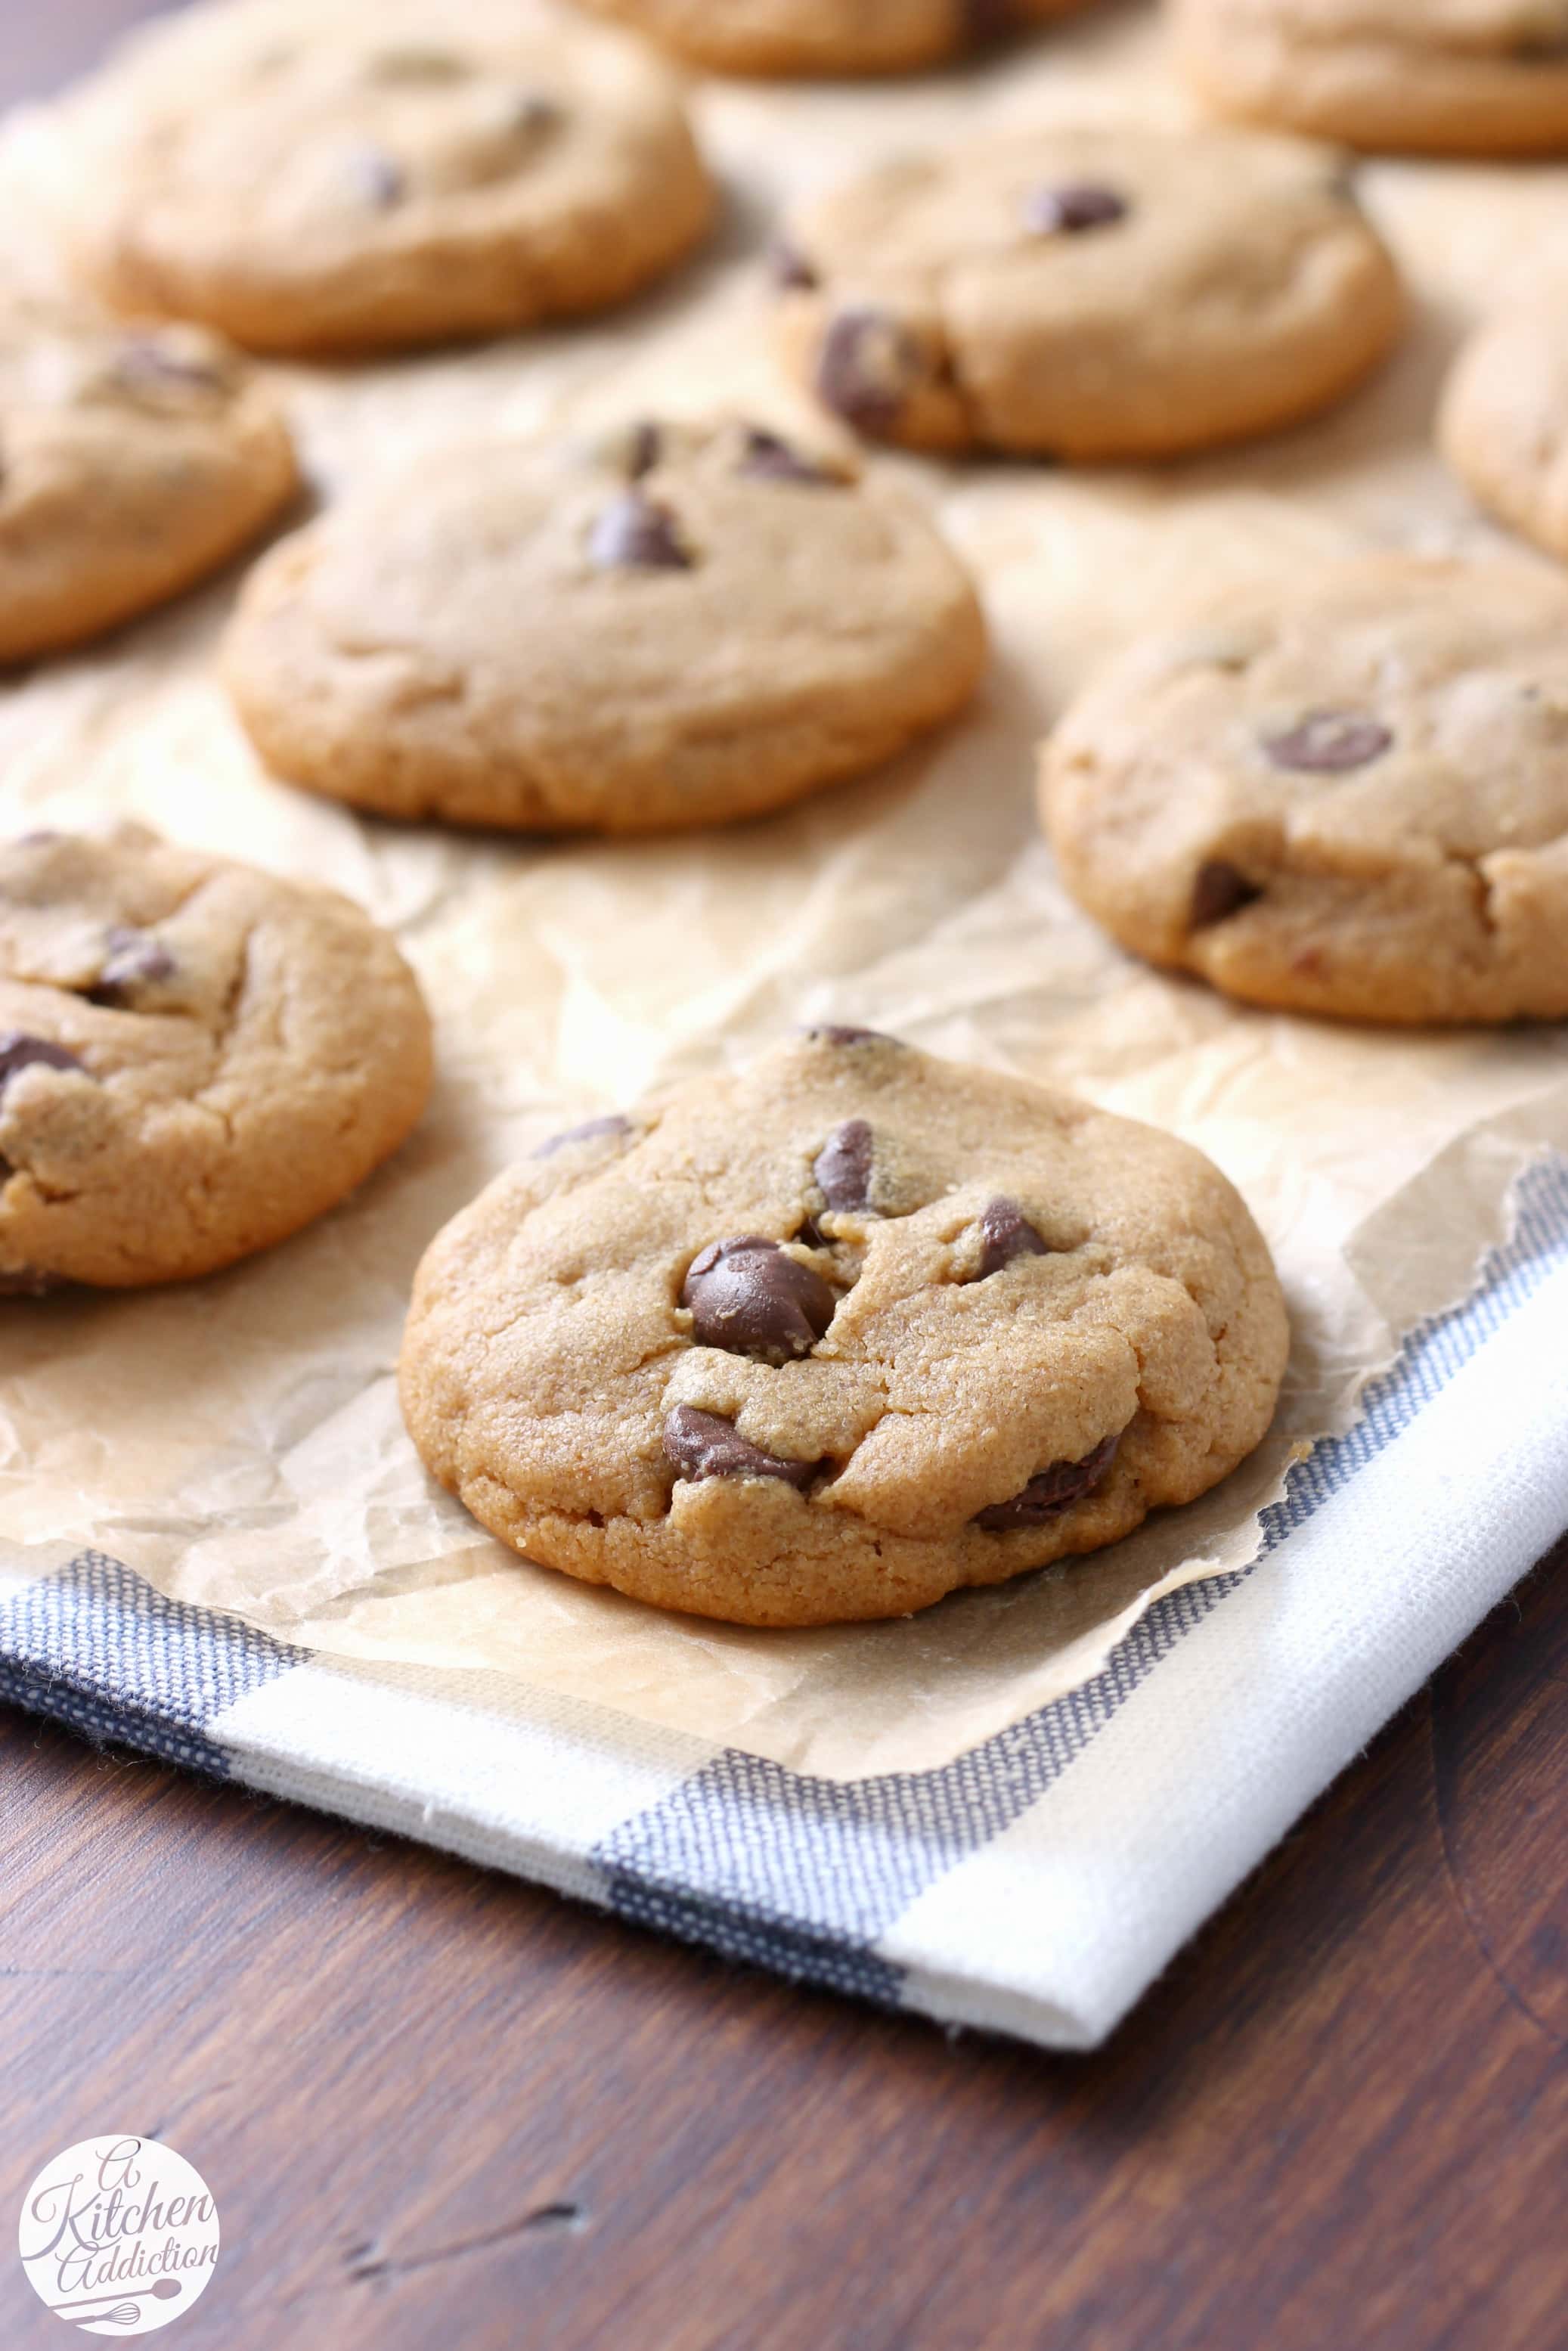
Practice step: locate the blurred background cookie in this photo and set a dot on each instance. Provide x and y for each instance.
(1503, 425)
(689, 624)
(828, 37)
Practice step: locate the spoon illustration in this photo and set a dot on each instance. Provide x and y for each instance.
(163, 2289)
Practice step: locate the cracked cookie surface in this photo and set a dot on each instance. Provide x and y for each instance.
(1439, 77)
(196, 1059)
(1088, 293)
(833, 1338)
(1503, 425)
(1344, 794)
(133, 461)
(690, 624)
(828, 37)
(313, 180)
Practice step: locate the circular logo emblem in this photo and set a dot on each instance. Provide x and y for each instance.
(118, 2235)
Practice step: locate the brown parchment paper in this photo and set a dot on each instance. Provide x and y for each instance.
(238, 1441)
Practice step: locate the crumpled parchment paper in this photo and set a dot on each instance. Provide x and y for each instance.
(238, 1441)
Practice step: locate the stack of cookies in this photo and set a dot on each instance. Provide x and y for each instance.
(857, 1328)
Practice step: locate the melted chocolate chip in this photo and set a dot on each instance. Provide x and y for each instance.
(1076, 205)
(589, 1131)
(528, 113)
(1329, 743)
(134, 959)
(866, 366)
(637, 534)
(751, 1298)
(789, 267)
(20, 1052)
(703, 1445)
(375, 177)
(770, 459)
(1050, 1492)
(828, 1033)
(1006, 1233)
(644, 452)
(1219, 890)
(844, 1165)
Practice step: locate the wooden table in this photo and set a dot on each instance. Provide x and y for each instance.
(437, 2107)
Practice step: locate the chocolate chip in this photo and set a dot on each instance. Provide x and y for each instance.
(134, 959)
(1329, 743)
(589, 1131)
(36, 840)
(703, 1444)
(413, 63)
(527, 112)
(643, 451)
(20, 1052)
(1219, 890)
(1050, 1492)
(637, 534)
(844, 1165)
(375, 177)
(145, 364)
(789, 267)
(770, 459)
(866, 366)
(751, 1298)
(1006, 1233)
(1076, 205)
(827, 1033)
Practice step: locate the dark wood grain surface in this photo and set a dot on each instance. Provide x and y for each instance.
(440, 2108)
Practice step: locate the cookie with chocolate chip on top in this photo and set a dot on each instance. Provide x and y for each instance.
(1088, 293)
(686, 624)
(1428, 76)
(829, 38)
(831, 1338)
(196, 1059)
(133, 461)
(1345, 791)
(341, 180)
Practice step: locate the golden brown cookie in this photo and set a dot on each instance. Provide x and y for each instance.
(689, 624)
(1087, 294)
(1343, 793)
(364, 176)
(834, 1338)
(828, 37)
(196, 1059)
(133, 461)
(1437, 77)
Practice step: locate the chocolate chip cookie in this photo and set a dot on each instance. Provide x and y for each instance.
(1088, 293)
(688, 625)
(1439, 77)
(827, 36)
(133, 461)
(1346, 793)
(1504, 425)
(335, 179)
(835, 1337)
(196, 1059)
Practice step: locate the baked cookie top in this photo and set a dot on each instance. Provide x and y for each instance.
(1090, 293)
(1461, 77)
(195, 1058)
(312, 179)
(686, 624)
(836, 1336)
(1503, 425)
(132, 460)
(1346, 792)
(827, 36)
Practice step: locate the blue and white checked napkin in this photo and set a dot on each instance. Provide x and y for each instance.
(1037, 1885)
